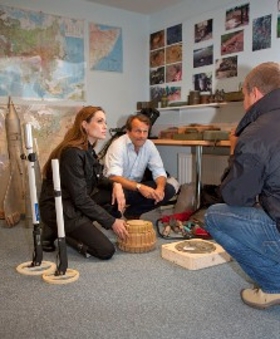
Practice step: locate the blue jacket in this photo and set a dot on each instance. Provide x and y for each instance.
(254, 171)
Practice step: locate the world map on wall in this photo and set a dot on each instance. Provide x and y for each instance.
(105, 48)
(41, 56)
(49, 125)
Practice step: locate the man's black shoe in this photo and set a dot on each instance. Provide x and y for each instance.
(48, 246)
(48, 238)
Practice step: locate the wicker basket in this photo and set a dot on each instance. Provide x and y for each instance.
(142, 237)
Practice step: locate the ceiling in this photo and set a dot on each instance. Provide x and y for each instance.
(139, 6)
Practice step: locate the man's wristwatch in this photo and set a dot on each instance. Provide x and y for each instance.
(138, 186)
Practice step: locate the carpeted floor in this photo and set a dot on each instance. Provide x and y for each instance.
(130, 296)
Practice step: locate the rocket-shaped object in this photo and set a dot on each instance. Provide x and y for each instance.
(14, 137)
(13, 203)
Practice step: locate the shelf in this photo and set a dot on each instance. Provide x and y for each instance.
(187, 107)
(191, 107)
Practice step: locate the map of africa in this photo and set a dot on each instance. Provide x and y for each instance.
(105, 48)
(41, 56)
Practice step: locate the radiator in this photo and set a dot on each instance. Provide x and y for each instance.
(212, 168)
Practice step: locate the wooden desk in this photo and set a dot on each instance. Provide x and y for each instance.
(198, 144)
(189, 143)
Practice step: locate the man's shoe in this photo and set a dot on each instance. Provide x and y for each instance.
(258, 299)
(48, 238)
(48, 246)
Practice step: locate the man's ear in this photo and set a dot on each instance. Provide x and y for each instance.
(257, 93)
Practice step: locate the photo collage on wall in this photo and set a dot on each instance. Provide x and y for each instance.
(236, 20)
(203, 31)
(166, 63)
(232, 42)
(166, 51)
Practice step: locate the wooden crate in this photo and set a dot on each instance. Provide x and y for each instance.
(194, 254)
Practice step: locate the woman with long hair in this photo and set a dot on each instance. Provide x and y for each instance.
(87, 196)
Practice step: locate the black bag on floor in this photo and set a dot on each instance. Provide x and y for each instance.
(210, 195)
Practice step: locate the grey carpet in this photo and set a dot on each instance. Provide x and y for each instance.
(130, 296)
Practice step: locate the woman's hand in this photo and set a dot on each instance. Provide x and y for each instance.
(118, 197)
(119, 228)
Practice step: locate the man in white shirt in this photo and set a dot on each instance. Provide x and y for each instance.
(126, 162)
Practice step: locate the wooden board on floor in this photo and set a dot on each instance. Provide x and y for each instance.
(194, 254)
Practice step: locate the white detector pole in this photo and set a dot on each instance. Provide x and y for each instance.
(31, 174)
(62, 275)
(37, 266)
(58, 199)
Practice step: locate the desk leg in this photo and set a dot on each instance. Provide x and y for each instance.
(198, 151)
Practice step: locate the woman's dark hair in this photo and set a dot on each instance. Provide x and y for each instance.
(76, 136)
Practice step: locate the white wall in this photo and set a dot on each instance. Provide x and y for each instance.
(117, 93)
(190, 13)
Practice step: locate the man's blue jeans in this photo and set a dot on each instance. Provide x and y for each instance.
(250, 236)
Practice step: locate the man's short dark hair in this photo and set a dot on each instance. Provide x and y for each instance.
(141, 117)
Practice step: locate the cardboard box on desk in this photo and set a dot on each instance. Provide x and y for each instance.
(215, 135)
(202, 128)
(194, 254)
(168, 133)
(195, 132)
(188, 136)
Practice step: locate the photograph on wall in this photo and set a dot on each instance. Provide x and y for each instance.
(156, 93)
(226, 67)
(278, 27)
(42, 56)
(157, 76)
(202, 82)
(157, 40)
(174, 53)
(203, 30)
(174, 72)
(261, 33)
(157, 58)
(237, 16)
(203, 56)
(173, 93)
(232, 42)
(174, 34)
(105, 48)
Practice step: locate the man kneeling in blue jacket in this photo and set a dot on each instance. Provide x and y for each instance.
(248, 224)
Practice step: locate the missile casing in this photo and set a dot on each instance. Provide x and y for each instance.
(14, 136)
(13, 204)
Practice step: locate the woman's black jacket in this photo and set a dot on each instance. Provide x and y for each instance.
(80, 177)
